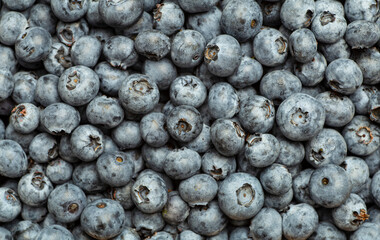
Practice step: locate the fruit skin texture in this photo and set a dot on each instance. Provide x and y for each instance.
(13, 160)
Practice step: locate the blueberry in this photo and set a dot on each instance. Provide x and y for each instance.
(25, 87)
(189, 235)
(119, 52)
(361, 98)
(68, 33)
(43, 148)
(13, 160)
(163, 72)
(187, 90)
(187, 48)
(46, 92)
(249, 72)
(154, 158)
(198, 190)
(279, 85)
(41, 15)
(34, 189)
(66, 202)
(227, 136)
(362, 34)
(201, 143)
(54, 232)
(207, 220)
(122, 195)
(223, 101)
(25, 230)
(149, 193)
(7, 84)
(261, 150)
(152, 44)
(144, 23)
(34, 214)
(297, 13)
(261, 226)
(86, 51)
(311, 73)
(23, 140)
(33, 44)
(276, 179)
(130, 141)
(105, 111)
(328, 27)
(363, 11)
(362, 137)
(351, 214)
(58, 59)
(357, 171)
(120, 13)
(328, 146)
(333, 51)
(87, 178)
(299, 221)
(329, 186)
(333, 6)
(240, 196)
(69, 10)
(115, 169)
(59, 171)
(303, 45)
(301, 186)
(110, 78)
(197, 6)
(10, 204)
(176, 209)
(152, 128)
(128, 233)
(239, 233)
(217, 165)
(300, 117)
(9, 61)
(327, 230)
(182, 163)
(78, 85)
(147, 223)
(368, 61)
(139, 94)
(93, 16)
(59, 118)
(367, 231)
(222, 55)
(87, 142)
(257, 115)
(207, 23)
(373, 162)
(168, 18)
(242, 19)
(375, 188)
(12, 24)
(271, 13)
(25, 118)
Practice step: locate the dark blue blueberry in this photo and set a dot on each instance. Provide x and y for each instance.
(373, 162)
(93, 16)
(217, 165)
(144, 23)
(369, 62)
(303, 45)
(276, 179)
(360, 10)
(25, 118)
(78, 85)
(13, 160)
(301, 187)
(147, 223)
(87, 178)
(25, 230)
(227, 136)
(327, 230)
(327, 147)
(182, 163)
(110, 78)
(187, 48)
(249, 72)
(201, 143)
(242, 19)
(25, 84)
(299, 221)
(59, 171)
(33, 214)
(152, 128)
(10, 204)
(188, 90)
(130, 141)
(328, 27)
(9, 60)
(87, 142)
(270, 47)
(86, 51)
(54, 232)
(41, 15)
(152, 44)
(375, 190)
(361, 98)
(12, 24)
(311, 73)
(296, 14)
(222, 55)
(117, 13)
(358, 172)
(262, 225)
(47, 90)
(261, 150)
(197, 5)
(34, 189)
(6, 84)
(240, 196)
(69, 10)
(223, 101)
(329, 186)
(163, 72)
(66, 203)
(68, 33)
(122, 195)
(168, 18)
(333, 6)
(105, 111)
(333, 51)
(58, 59)
(362, 34)
(119, 52)
(59, 118)
(176, 209)
(198, 190)
(23, 140)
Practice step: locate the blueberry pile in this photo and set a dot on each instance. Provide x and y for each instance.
(189, 119)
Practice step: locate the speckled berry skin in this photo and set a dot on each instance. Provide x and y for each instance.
(59, 118)
(328, 27)
(276, 179)
(299, 221)
(361, 98)
(68, 33)
(301, 187)
(87, 178)
(279, 85)
(187, 48)
(300, 117)
(297, 13)
(270, 47)
(152, 44)
(249, 72)
(311, 73)
(375, 191)
(10, 204)
(58, 59)
(198, 190)
(13, 160)
(120, 13)
(328, 146)
(261, 226)
(87, 142)
(105, 111)
(303, 45)
(86, 51)
(103, 218)
(222, 55)
(333, 51)
(362, 136)
(197, 5)
(358, 172)
(12, 25)
(138, 94)
(25, 118)
(329, 186)
(223, 101)
(351, 214)
(217, 165)
(168, 18)
(369, 62)
(242, 19)
(227, 136)
(54, 231)
(69, 11)
(257, 115)
(362, 34)
(188, 90)
(363, 11)
(59, 171)
(184, 123)
(261, 150)
(66, 203)
(182, 163)
(240, 196)
(119, 52)
(34, 189)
